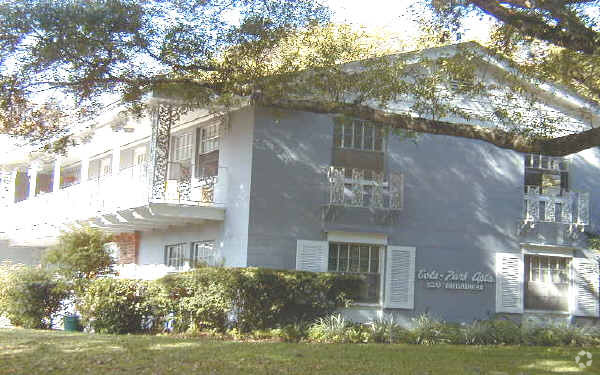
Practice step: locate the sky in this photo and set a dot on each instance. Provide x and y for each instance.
(394, 16)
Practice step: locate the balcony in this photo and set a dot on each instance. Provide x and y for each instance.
(116, 203)
(564, 207)
(358, 188)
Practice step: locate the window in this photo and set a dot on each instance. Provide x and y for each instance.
(547, 283)
(209, 138)
(175, 256)
(359, 145)
(359, 135)
(359, 259)
(204, 253)
(207, 162)
(548, 174)
(181, 156)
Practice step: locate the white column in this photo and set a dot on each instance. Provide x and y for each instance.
(85, 169)
(116, 160)
(32, 173)
(12, 188)
(56, 177)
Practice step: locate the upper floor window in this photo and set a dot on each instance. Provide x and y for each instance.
(548, 174)
(182, 147)
(209, 138)
(181, 155)
(359, 135)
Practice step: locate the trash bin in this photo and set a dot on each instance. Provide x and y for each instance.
(71, 323)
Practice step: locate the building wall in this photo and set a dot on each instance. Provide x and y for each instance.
(152, 243)
(16, 254)
(235, 160)
(462, 203)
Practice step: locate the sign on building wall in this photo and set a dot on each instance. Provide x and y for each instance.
(455, 280)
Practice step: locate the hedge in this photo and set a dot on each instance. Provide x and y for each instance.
(246, 299)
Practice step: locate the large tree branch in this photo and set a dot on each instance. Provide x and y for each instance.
(560, 146)
(572, 34)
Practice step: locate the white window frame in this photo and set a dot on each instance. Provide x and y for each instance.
(180, 259)
(381, 262)
(209, 139)
(350, 128)
(205, 258)
(182, 147)
(557, 252)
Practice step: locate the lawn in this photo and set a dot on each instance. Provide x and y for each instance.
(56, 352)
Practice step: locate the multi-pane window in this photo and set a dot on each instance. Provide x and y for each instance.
(175, 255)
(207, 161)
(204, 253)
(181, 156)
(547, 283)
(359, 135)
(360, 259)
(182, 147)
(209, 138)
(548, 174)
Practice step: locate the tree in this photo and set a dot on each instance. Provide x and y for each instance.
(81, 254)
(213, 53)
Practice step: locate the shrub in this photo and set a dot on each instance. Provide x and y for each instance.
(81, 254)
(387, 330)
(110, 305)
(252, 298)
(31, 297)
(506, 332)
(427, 330)
(330, 329)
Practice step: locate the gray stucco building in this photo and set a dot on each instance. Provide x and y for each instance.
(455, 227)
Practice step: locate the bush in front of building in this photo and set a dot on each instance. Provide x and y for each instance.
(81, 254)
(427, 330)
(31, 297)
(109, 305)
(251, 299)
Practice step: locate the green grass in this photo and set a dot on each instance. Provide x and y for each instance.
(55, 352)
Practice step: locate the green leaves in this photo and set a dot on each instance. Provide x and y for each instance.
(81, 254)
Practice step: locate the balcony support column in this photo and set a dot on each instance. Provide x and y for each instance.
(116, 160)
(7, 186)
(32, 173)
(56, 177)
(85, 169)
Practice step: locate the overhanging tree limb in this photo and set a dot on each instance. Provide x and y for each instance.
(559, 146)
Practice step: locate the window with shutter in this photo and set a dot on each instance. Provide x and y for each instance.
(362, 260)
(312, 256)
(400, 277)
(586, 276)
(509, 282)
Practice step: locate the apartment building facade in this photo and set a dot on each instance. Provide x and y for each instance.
(455, 227)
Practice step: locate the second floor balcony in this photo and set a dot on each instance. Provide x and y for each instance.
(556, 206)
(117, 202)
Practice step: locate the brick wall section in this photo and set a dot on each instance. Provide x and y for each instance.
(129, 247)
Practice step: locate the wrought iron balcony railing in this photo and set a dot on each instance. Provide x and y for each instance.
(572, 208)
(364, 188)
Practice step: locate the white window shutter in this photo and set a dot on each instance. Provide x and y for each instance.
(509, 282)
(400, 277)
(312, 255)
(586, 277)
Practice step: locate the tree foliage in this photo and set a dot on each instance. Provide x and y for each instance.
(284, 54)
(81, 254)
